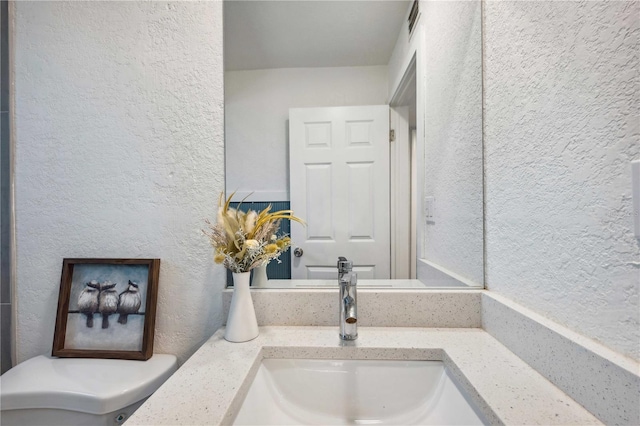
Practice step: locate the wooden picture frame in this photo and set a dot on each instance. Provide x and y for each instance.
(89, 290)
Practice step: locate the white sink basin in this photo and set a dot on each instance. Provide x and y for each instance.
(338, 392)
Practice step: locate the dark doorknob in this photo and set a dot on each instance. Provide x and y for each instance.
(298, 252)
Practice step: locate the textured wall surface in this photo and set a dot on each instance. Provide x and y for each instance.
(257, 116)
(453, 137)
(119, 134)
(562, 123)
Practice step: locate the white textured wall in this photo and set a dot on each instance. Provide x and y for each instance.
(453, 137)
(119, 153)
(257, 115)
(562, 123)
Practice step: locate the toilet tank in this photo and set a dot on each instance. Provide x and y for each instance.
(79, 391)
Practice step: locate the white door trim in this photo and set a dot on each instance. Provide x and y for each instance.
(400, 186)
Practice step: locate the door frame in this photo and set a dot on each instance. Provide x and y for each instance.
(400, 192)
(403, 176)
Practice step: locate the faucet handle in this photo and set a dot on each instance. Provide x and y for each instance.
(344, 265)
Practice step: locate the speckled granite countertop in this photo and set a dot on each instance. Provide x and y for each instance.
(209, 388)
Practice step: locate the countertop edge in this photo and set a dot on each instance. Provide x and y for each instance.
(505, 388)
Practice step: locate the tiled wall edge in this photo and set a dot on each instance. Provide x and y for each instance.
(603, 381)
(319, 307)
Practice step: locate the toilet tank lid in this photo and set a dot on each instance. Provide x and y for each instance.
(95, 386)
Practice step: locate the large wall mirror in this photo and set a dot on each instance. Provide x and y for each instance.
(365, 118)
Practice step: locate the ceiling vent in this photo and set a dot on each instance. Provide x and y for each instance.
(413, 16)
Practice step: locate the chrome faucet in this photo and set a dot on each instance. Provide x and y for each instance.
(347, 280)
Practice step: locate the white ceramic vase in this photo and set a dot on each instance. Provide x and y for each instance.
(260, 276)
(242, 324)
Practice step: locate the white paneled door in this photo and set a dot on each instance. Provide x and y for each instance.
(339, 183)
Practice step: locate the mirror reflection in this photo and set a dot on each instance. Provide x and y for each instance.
(365, 118)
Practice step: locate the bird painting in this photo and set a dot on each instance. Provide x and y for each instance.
(129, 302)
(88, 301)
(108, 302)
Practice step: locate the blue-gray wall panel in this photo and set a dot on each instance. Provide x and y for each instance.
(275, 270)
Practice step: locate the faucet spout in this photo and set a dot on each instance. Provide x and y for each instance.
(347, 281)
(351, 316)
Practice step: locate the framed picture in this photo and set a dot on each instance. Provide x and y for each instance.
(107, 308)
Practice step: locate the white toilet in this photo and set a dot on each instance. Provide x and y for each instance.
(79, 391)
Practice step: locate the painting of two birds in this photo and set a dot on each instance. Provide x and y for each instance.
(94, 293)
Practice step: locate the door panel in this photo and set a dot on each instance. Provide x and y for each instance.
(361, 200)
(319, 225)
(365, 272)
(339, 177)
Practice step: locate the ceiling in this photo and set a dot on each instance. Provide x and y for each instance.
(311, 33)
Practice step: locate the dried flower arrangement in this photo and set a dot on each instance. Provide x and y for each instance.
(243, 241)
